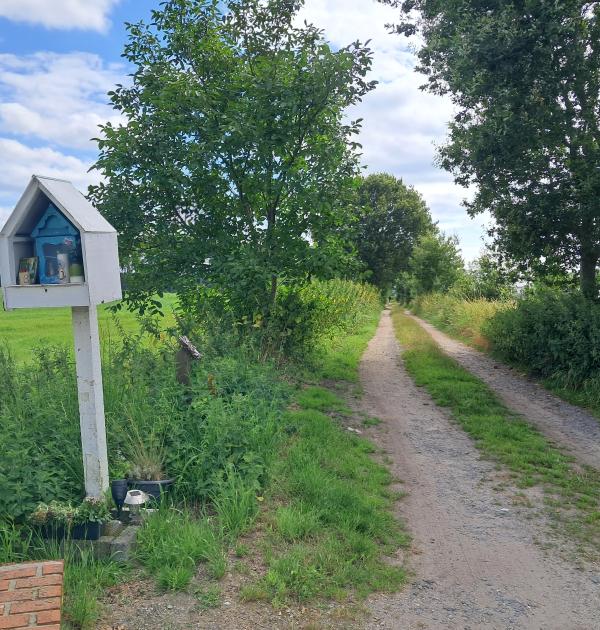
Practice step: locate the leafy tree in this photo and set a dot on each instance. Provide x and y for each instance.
(435, 264)
(524, 76)
(486, 277)
(233, 164)
(392, 216)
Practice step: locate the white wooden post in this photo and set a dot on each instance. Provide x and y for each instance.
(91, 401)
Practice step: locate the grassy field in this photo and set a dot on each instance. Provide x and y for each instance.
(22, 330)
(571, 492)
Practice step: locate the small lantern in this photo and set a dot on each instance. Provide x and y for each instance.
(134, 500)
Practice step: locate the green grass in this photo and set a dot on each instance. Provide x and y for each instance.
(25, 329)
(330, 516)
(339, 357)
(572, 493)
(172, 542)
(321, 399)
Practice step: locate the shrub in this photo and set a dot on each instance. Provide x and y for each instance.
(553, 334)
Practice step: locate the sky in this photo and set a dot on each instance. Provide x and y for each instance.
(59, 58)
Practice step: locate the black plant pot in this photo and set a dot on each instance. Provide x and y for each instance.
(155, 489)
(83, 531)
(118, 489)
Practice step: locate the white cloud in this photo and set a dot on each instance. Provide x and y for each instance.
(60, 14)
(56, 98)
(401, 123)
(21, 161)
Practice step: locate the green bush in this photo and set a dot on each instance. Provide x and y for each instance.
(553, 334)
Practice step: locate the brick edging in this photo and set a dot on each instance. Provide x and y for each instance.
(31, 595)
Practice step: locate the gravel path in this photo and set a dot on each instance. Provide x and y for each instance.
(575, 430)
(475, 561)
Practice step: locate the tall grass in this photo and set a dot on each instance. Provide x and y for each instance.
(465, 319)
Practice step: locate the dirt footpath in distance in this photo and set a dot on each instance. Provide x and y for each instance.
(573, 429)
(475, 559)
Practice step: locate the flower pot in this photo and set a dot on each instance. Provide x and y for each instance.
(83, 531)
(118, 489)
(153, 488)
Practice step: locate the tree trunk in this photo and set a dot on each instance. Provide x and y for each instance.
(587, 277)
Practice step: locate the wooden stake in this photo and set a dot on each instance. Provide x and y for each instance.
(91, 400)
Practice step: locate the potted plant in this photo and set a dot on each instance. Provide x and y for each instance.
(63, 520)
(146, 470)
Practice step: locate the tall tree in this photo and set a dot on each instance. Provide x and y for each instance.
(435, 264)
(525, 78)
(233, 163)
(391, 217)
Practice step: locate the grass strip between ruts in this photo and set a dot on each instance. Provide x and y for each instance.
(572, 491)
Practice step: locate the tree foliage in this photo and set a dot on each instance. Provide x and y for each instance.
(232, 166)
(486, 277)
(392, 216)
(525, 78)
(435, 264)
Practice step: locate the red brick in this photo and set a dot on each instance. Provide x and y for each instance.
(47, 580)
(17, 596)
(4, 584)
(52, 626)
(1, 609)
(36, 604)
(48, 616)
(12, 571)
(14, 621)
(50, 591)
(53, 567)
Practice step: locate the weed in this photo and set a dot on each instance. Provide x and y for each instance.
(176, 577)
(241, 567)
(235, 503)
(210, 597)
(242, 550)
(217, 564)
(371, 422)
(254, 593)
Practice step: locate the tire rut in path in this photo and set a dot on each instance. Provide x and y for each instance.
(475, 562)
(576, 431)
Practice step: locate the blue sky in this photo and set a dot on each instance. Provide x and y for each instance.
(58, 58)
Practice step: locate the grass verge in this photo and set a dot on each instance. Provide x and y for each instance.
(330, 524)
(572, 493)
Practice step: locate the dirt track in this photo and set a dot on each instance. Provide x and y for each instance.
(575, 430)
(475, 559)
